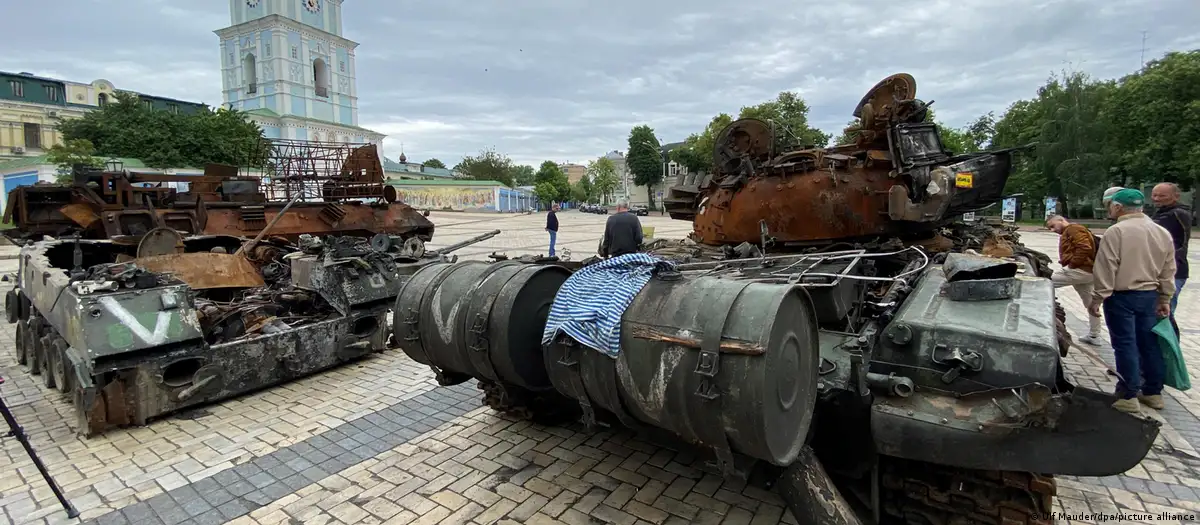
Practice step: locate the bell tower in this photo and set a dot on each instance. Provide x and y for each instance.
(287, 65)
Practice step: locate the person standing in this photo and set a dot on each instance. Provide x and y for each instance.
(1177, 219)
(552, 226)
(1076, 254)
(1134, 281)
(622, 232)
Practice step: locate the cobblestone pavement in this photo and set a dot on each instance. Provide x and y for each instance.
(376, 442)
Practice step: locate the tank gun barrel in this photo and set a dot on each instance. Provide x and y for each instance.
(463, 244)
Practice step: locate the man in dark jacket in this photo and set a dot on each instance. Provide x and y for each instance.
(552, 226)
(622, 232)
(1177, 219)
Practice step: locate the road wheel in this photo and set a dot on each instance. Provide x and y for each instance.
(32, 353)
(11, 306)
(60, 366)
(46, 361)
(20, 346)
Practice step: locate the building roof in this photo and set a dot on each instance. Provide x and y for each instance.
(31, 76)
(59, 81)
(391, 166)
(271, 114)
(460, 182)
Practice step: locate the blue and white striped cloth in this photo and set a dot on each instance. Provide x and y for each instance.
(590, 304)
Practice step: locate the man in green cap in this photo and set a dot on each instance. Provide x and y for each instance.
(1135, 279)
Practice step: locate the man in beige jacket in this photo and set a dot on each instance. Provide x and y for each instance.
(1134, 281)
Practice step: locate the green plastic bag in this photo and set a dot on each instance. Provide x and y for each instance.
(1176, 371)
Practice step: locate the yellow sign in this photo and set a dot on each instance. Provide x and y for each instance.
(964, 180)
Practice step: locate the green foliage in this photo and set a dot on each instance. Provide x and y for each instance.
(602, 177)
(550, 173)
(582, 190)
(1155, 118)
(70, 153)
(488, 165)
(434, 163)
(546, 192)
(162, 139)
(644, 160)
(523, 175)
(789, 113)
(697, 151)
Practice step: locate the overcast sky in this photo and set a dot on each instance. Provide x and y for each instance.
(565, 80)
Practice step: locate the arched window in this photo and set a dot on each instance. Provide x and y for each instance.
(249, 73)
(102, 99)
(321, 77)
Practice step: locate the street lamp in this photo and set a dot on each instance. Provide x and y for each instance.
(114, 165)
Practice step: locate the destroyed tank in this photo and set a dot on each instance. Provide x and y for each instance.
(133, 329)
(831, 328)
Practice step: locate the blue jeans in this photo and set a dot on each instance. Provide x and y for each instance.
(1175, 298)
(553, 235)
(1175, 301)
(1131, 317)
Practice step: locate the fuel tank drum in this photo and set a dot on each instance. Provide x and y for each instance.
(479, 319)
(726, 363)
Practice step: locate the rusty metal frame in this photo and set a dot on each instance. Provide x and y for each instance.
(318, 171)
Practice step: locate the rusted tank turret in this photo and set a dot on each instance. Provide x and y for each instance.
(897, 178)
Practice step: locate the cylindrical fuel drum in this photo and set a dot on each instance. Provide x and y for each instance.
(730, 364)
(479, 319)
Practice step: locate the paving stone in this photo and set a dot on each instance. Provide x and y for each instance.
(368, 433)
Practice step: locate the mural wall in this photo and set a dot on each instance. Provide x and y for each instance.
(442, 197)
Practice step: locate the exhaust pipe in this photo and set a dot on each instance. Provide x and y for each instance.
(895, 385)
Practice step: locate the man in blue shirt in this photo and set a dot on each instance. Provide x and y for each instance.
(552, 226)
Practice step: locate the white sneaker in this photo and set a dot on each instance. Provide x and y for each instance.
(1093, 340)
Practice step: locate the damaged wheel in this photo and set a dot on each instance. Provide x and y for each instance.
(60, 366)
(19, 346)
(33, 356)
(11, 306)
(46, 361)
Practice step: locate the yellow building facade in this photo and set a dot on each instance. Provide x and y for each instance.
(31, 107)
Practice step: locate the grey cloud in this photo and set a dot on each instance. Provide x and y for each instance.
(566, 79)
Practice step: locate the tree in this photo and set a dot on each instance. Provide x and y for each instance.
(488, 165)
(523, 175)
(696, 154)
(546, 192)
(789, 114)
(434, 163)
(645, 160)
(550, 173)
(1154, 118)
(163, 139)
(603, 175)
(582, 190)
(70, 153)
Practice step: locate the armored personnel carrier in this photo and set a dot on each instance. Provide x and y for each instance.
(135, 328)
(829, 325)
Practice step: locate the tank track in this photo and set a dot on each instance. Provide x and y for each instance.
(928, 494)
(550, 408)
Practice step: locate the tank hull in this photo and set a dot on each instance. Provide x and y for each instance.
(127, 345)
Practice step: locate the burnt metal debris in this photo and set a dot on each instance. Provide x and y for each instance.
(830, 320)
(896, 178)
(334, 188)
(130, 337)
